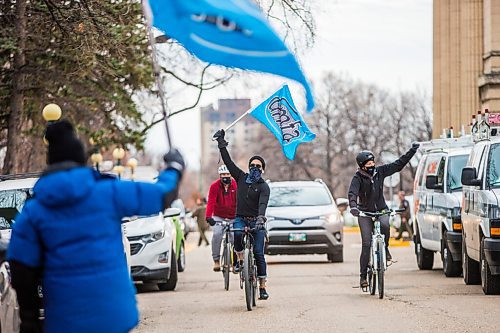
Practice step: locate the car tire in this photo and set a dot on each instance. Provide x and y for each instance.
(451, 268)
(470, 267)
(181, 262)
(425, 258)
(337, 256)
(490, 283)
(172, 279)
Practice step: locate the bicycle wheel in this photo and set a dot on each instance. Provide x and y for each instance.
(380, 269)
(254, 280)
(247, 275)
(372, 281)
(226, 265)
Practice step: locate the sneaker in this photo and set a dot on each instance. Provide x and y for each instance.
(216, 266)
(363, 283)
(263, 295)
(236, 268)
(388, 255)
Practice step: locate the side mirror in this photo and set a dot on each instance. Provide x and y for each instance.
(469, 177)
(431, 182)
(171, 212)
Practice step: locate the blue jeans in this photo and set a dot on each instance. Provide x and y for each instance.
(258, 238)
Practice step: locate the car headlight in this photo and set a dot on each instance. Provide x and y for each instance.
(453, 213)
(332, 218)
(153, 237)
(493, 212)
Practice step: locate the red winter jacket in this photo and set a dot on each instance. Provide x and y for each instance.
(221, 203)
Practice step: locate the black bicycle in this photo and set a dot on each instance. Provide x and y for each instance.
(227, 259)
(378, 262)
(248, 273)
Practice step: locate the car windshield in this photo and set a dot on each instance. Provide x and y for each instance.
(299, 196)
(455, 166)
(11, 203)
(494, 166)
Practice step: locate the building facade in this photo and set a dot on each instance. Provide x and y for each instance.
(466, 73)
(241, 136)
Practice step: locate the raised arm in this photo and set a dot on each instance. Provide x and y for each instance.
(387, 170)
(231, 166)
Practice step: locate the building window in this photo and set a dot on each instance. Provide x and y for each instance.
(214, 117)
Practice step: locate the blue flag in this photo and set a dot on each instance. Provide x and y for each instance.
(232, 33)
(280, 116)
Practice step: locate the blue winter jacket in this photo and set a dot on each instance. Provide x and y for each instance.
(72, 230)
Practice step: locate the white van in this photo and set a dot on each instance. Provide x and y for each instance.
(437, 203)
(481, 212)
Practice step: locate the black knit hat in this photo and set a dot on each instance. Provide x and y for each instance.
(64, 146)
(257, 157)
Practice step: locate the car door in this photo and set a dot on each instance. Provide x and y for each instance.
(426, 222)
(471, 217)
(437, 203)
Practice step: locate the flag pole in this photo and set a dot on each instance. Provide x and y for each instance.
(236, 121)
(156, 67)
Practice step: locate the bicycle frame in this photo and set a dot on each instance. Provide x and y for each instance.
(377, 239)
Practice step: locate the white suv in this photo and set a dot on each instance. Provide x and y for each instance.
(152, 251)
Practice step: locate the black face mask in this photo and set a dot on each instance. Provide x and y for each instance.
(226, 180)
(370, 170)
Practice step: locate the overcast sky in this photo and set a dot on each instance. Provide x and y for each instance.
(387, 42)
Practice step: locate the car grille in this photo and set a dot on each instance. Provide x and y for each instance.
(292, 229)
(137, 269)
(135, 248)
(134, 238)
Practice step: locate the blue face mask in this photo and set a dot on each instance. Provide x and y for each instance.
(253, 176)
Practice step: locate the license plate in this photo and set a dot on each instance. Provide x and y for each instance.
(297, 237)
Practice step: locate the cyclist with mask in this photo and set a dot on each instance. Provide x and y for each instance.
(221, 205)
(251, 204)
(366, 193)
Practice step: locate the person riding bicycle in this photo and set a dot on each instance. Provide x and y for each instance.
(221, 206)
(251, 204)
(366, 193)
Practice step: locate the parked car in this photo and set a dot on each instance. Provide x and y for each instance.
(185, 225)
(14, 191)
(437, 202)
(304, 219)
(481, 212)
(153, 248)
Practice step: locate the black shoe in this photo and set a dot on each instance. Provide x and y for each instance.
(263, 295)
(388, 255)
(363, 283)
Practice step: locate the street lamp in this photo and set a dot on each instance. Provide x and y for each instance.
(51, 112)
(132, 164)
(96, 158)
(118, 154)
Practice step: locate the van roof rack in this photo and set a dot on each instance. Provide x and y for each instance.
(20, 176)
(447, 143)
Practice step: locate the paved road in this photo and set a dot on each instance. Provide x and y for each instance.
(310, 295)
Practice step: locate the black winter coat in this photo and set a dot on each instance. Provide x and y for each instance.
(367, 192)
(251, 199)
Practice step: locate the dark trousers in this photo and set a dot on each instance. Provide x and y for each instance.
(258, 238)
(203, 237)
(366, 226)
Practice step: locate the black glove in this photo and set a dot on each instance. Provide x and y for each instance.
(260, 223)
(211, 221)
(355, 211)
(174, 160)
(415, 145)
(219, 136)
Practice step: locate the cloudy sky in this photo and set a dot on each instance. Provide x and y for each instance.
(387, 42)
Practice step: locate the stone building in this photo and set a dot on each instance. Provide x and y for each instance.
(466, 61)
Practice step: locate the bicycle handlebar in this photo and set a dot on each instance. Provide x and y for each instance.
(381, 213)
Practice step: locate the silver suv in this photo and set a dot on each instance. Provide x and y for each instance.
(303, 219)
